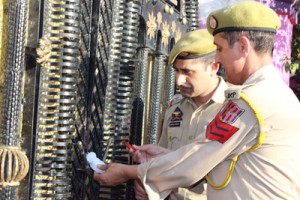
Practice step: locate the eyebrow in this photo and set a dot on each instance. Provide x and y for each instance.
(183, 68)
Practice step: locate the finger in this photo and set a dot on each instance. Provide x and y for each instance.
(139, 197)
(136, 156)
(100, 179)
(132, 151)
(103, 167)
(139, 188)
(97, 177)
(148, 148)
(143, 147)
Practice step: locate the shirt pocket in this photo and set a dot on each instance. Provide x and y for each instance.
(174, 137)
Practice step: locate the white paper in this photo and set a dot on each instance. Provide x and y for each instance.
(94, 161)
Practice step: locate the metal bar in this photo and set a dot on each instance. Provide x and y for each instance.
(169, 86)
(156, 89)
(140, 93)
(14, 72)
(91, 71)
(109, 143)
(10, 153)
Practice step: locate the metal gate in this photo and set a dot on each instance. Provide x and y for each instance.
(81, 76)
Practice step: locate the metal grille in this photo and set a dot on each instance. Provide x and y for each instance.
(98, 81)
(95, 29)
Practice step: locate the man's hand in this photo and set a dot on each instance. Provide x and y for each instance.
(147, 152)
(115, 174)
(139, 190)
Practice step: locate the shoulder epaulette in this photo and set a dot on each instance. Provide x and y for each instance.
(233, 92)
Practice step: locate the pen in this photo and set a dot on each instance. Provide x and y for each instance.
(129, 146)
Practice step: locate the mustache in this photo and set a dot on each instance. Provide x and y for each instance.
(183, 86)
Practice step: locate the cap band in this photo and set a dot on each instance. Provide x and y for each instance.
(190, 56)
(244, 29)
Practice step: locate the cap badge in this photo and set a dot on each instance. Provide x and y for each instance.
(213, 23)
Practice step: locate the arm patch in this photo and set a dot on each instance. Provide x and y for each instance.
(220, 128)
(231, 112)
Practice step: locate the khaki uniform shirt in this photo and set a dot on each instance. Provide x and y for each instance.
(182, 124)
(270, 172)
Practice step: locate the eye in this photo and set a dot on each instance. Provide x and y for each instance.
(186, 71)
(175, 69)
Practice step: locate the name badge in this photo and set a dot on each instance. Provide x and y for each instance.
(174, 124)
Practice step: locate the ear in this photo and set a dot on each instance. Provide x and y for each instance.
(245, 46)
(214, 66)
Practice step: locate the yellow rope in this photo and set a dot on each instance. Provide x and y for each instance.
(258, 143)
(228, 177)
(261, 136)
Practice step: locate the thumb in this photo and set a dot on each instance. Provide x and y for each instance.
(102, 167)
(143, 147)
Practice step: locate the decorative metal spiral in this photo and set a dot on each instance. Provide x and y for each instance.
(192, 14)
(57, 99)
(119, 90)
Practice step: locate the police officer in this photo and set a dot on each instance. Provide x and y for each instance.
(201, 97)
(252, 146)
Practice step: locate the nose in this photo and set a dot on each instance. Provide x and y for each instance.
(180, 79)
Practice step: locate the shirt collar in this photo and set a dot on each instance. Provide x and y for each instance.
(260, 73)
(217, 97)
